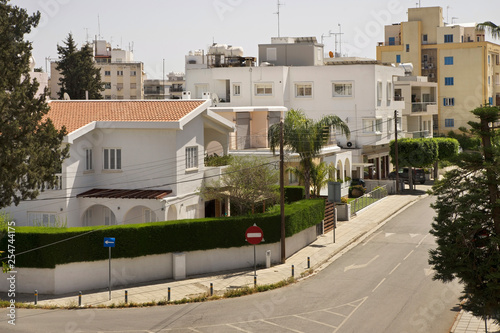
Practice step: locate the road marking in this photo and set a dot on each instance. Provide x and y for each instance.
(414, 235)
(389, 234)
(428, 271)
(420, 243)
(372, 237)
(335, 313)
(314, 321)
(409, 254)
(270, 323)
(378, 285)
(394, 268)
(238, 328)
(360, 266)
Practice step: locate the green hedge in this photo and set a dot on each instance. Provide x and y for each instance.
(86, 244)
(293, 193)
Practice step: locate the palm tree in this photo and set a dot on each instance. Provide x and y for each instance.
(321, 174)
(305, 137)
(492, 28)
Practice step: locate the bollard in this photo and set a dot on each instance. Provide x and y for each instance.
(293, 271)
(211, 289)
(268, 258)
(36, 297)
(126, 296)
(169, 294)
(308, 262)
(255, 281)
(80, 298)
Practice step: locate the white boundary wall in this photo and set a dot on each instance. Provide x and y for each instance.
(125, 271)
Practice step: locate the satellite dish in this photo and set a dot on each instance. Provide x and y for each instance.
(66, 97)
(215, 99)
(330, 54)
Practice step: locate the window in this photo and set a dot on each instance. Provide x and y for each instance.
(378, 125)
(39, 219)
(107, 73)
(407, 47)
(88, 159)
(292, 178)
(392, 40)
(133, 73)
(424, 38)
(490, 100)
(119, 73)
(112, 159)
(448, 81)
(303, 90)
(448, 60)
(133, 86)
(489, 80)
(489, 59)
(271, 54)
(379, 90)
(342, 89)
(263, 89)
(236, 90)
(389, 90)
(191, 157)
(107, 85)
(372, 126)
(119, 86)
(390, 125)
(448, 101)
(497, 79)
(398, 58)
(448, 38)
(449, 123)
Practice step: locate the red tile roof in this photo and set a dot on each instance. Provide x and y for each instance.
(76, 114)
(124, 194)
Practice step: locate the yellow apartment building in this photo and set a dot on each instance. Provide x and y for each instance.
(456, 56)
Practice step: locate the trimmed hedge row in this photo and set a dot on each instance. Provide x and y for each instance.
(86, 244)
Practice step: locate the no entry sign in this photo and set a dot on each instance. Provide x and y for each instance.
(254, 235)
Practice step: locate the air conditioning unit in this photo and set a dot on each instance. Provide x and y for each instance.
(186, 95)
(432, 75)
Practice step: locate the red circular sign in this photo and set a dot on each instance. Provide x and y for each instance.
(254, 235)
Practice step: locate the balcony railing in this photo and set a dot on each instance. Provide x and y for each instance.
(421, 107)
(399, 98)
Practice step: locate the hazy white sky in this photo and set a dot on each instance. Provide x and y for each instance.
(167, 29)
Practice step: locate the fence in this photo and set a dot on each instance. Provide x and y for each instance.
(368, 199)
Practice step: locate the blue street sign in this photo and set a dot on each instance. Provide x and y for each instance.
(109, 242)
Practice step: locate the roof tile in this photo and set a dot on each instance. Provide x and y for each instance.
(76, 114)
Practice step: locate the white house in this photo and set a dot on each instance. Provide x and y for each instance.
(294, 74)
(130, 162)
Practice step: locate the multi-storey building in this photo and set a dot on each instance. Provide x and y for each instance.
(456, 56)
(123, 78)
(175, 83)
(293, 73)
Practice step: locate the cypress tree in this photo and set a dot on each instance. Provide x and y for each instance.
(30, 147)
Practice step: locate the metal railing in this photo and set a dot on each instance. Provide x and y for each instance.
(368, 199)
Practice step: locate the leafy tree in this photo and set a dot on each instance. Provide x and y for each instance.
(492, 28)
(321, 174)
(305, 137)
(247, 181)
(30, 146)
(447, 151)
(465, 139)
(78, 71)
(467, 225)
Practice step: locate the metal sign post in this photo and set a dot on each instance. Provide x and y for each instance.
(254, 235)
(109, 242)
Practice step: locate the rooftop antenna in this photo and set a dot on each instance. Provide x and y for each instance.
(278, 13)
(98, 26)
(453, 19)
(86, 35)
(447, 14)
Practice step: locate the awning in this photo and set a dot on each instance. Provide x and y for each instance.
(124, 194)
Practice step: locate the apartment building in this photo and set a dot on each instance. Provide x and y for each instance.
(294, 74)
(465, 66)
(123, 78)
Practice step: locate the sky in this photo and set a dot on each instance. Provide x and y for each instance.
(162, 32)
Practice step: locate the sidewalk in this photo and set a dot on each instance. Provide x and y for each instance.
(320, 254)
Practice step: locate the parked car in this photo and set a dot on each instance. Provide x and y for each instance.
(418, 175)
(358, 181)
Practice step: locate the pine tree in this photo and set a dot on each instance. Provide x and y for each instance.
(467, 225)
(78, 71)
(30, 146)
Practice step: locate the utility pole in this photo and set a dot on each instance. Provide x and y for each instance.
(396, 148)
(282, 196)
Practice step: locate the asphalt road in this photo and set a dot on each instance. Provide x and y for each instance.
(382, 285)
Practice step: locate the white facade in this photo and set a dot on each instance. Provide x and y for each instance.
(359, 91)
(115, 156)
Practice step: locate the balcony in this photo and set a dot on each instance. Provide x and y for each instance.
(399, 98)
(427, 107)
